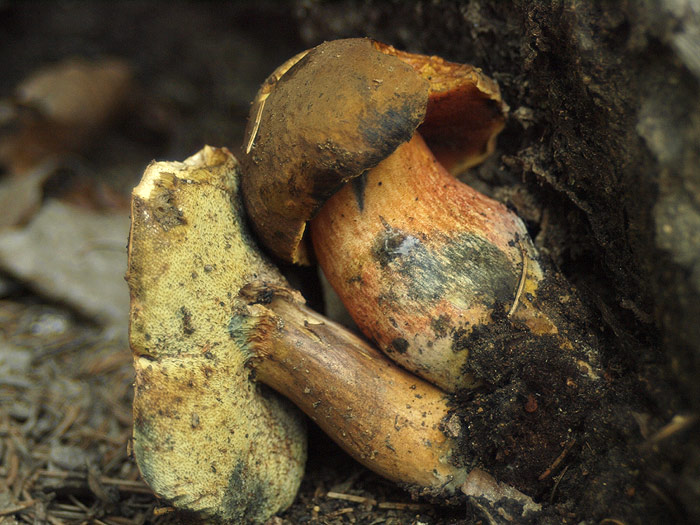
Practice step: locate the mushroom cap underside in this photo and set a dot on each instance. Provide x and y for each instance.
(206, 438)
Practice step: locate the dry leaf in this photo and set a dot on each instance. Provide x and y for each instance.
(20, 195)
(74, 256)
(60, 107)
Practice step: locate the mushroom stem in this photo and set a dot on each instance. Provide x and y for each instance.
(432, 261)
(386, 418)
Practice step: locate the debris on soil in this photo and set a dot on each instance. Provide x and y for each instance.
(65, 421)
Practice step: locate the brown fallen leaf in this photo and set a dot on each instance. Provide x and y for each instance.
(20, 195)
(74, 256)
(59, 108)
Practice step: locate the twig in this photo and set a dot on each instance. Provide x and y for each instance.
(339, 512)
(64, 345)
(13, 468)
(557, 461)
(678, 423)
(17, 508)
(137, 487)
(68, 514)
(120, 520)
(71, 417)
(521, 283)
(348, 483)
(556, 483)
(265, 91)
(351, 497)
(670, 504)
(256, 124)
(385, 505)
(398, 505)
(96, 435)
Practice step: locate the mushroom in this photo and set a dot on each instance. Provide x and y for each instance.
(426, 266)
(211, 320)
(215, 328)
(206, 438)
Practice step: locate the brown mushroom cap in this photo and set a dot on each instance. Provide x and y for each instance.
(330, 114)
(338, 111)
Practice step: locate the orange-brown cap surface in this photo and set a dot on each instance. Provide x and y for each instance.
(338, 111)
(332, 113)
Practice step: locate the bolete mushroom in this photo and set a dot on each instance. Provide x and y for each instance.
(206, 438)
(422, 261)
(212, 319)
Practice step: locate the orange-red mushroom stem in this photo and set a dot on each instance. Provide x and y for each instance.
(421, 259)
(385, 417)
